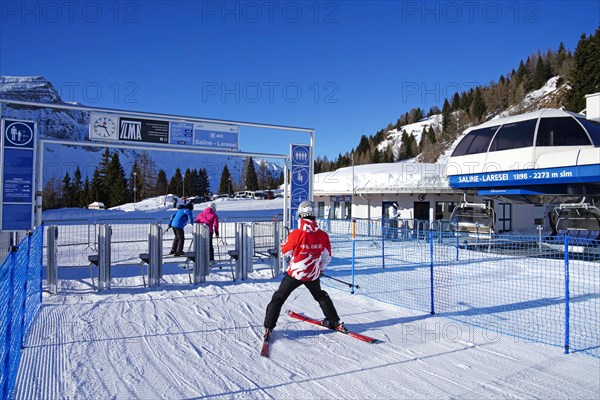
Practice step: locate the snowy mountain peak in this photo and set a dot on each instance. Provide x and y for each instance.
(28, 88)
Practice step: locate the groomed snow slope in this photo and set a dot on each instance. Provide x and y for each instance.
(180, 341)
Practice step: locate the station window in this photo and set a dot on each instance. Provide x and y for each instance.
(476, 141)
(562, 131)
(337, 210)
(593, 129)
(514, 136)
(321, 210)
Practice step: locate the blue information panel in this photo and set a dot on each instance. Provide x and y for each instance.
(18, 153)
(527, 177)
(182, 133)
(300, 176)
(216, 135)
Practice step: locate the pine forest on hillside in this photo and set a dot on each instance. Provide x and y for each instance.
(110, 185)
(578, 72)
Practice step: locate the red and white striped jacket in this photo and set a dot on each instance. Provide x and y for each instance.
(309, 249)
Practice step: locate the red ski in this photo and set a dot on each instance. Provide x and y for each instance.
(265, 350)
(319, 323)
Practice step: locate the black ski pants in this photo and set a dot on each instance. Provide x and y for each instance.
(178, 241)
(287, 286)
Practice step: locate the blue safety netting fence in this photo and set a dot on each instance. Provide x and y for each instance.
(543, 289)
(20, 301)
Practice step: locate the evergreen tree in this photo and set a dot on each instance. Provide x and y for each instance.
(363, 146)
(86, 194)
(176, 183)
(448, 126)
(541, 74)
(376, 156)
(225, 184)
(76, 189)
(67, 191)
(478, 107)
(188, 184)
(97, 186)
(251, 178)
(99, 179)
(455, 102)
(203, 183)
(161, 183)
(116, 182)
(585, 74)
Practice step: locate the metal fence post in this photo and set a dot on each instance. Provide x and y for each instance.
(382, 242)
(104, 240)
(249, 249)
(52, 259)
(431, 288)
(567, 295)
(276, 242)
(155, 250)
(201, 248)
(241, 245)
(353, 252)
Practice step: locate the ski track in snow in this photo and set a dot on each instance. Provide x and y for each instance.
(181, 341)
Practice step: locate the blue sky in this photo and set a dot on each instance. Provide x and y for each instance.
(344, 68)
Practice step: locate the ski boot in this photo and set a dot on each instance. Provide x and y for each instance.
(267, 335)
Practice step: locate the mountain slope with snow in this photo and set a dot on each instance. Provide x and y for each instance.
(547, 96)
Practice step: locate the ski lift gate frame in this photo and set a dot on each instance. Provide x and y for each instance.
(41, 142)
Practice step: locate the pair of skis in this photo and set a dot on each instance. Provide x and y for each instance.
(267, 341)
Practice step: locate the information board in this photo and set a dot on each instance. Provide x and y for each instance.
(18, 156)
(112, 127)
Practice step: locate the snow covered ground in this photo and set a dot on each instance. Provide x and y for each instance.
(181, 341)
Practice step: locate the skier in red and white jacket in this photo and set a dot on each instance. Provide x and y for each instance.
(310, 252)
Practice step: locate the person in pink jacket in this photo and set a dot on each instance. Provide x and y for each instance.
(210, 218)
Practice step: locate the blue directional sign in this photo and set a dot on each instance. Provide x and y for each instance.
(300, 175)
(207, 134)
(16, 191)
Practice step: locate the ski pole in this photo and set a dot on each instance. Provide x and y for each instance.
(338, 280)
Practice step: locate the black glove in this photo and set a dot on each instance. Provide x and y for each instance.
(169, 226)
(217, 233)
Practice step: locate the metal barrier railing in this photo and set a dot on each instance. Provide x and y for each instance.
(80, 243)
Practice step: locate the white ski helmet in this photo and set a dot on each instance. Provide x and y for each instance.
(307, 209)
(213, 206)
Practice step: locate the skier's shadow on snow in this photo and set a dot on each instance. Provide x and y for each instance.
(298, 329)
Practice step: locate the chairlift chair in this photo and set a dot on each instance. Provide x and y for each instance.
(578, 220)
(473, 218)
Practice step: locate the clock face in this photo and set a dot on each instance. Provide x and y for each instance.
(105, 127)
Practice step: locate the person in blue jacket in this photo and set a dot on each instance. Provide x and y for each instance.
(178, 221)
